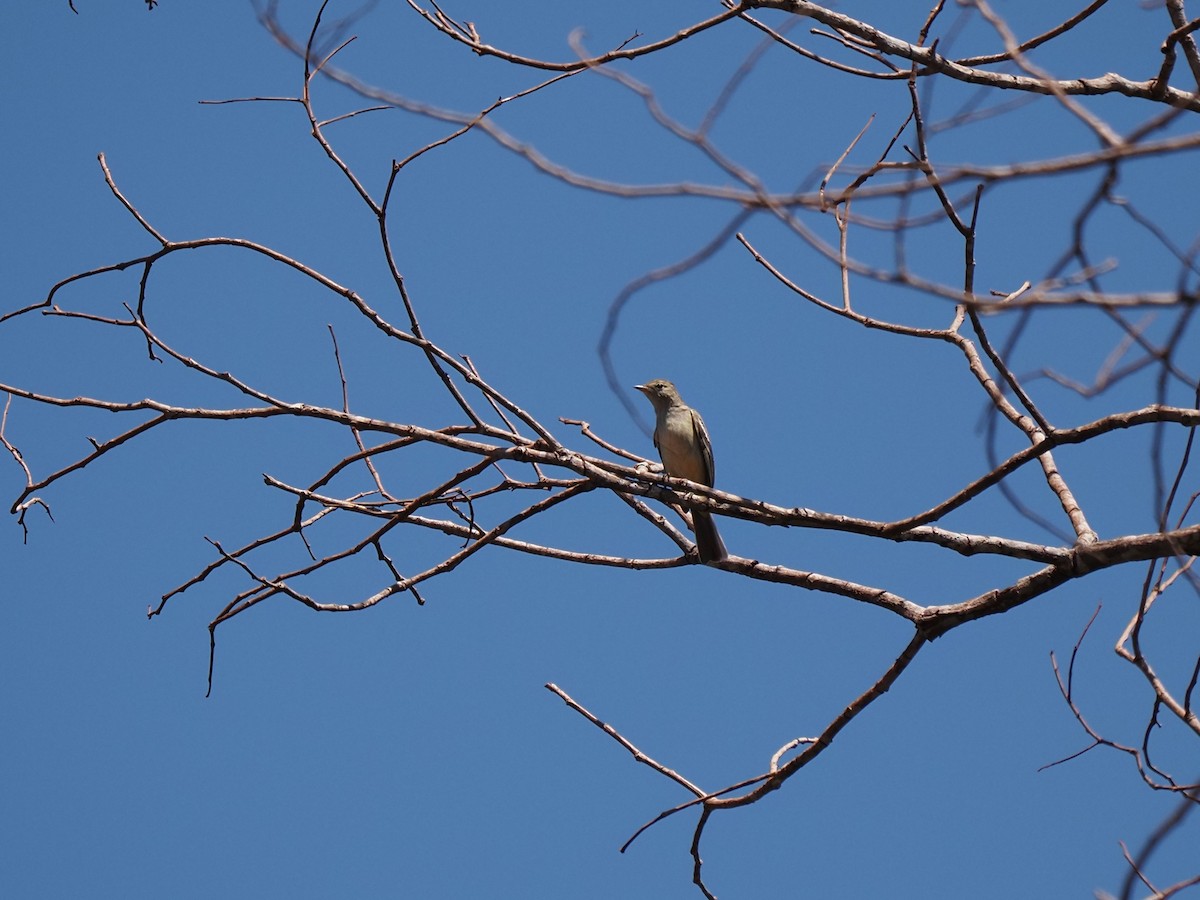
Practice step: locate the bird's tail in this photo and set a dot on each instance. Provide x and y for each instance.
(708, 539)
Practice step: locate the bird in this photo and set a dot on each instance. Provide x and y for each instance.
(686, 452)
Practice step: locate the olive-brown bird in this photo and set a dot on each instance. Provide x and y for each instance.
(686, 452)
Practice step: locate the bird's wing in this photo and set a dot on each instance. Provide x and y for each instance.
(702, 438)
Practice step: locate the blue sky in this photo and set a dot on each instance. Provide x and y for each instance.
(413, 751)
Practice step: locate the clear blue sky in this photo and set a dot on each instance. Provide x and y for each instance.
(412, 751)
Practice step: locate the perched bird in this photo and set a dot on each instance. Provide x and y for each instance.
(686, 452)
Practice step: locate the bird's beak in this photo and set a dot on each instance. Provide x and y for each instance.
(642, 388)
